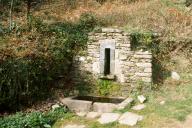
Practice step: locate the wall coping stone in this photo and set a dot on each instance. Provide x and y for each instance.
(111, 30)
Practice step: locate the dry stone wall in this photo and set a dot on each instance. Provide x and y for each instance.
(126, 66)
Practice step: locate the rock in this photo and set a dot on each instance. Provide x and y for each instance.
(162, 102)
(74, 126)
(124, 103)
(93, 115)
(138, 107)
(55, 106)
(108, 118)
(81, 114)
(82, 59)
(175, 76)
(130, 119)
(141, 99)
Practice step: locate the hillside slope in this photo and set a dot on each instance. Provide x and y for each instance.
(171, 18)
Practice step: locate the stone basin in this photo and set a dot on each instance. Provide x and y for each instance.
(95, 103)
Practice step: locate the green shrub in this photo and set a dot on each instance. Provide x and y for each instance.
(162, 50)
(104, 86)
(188, 2)
(28, 69)
(107, 87)
(35, 119)
(142, 40)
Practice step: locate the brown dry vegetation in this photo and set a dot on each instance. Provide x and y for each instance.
(167, 17)
(171, 18)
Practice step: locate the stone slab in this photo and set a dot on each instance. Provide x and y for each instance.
(108, 118)
(74, 126)
(81, 114)
(124, 103)
(93, 115)
(138, 107)
(130, 119)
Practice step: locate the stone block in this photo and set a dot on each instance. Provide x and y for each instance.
(144, 65)
(147, 80)
(96, 67)
(143, 56)
(125, 34)
(111, 30)
(143, 74)
(77, 105)
(143, 52)
(103, 107)
(122, 56)
(126, 45)
(130, 64)
(117, 34)
(148, 70)
(122, 78)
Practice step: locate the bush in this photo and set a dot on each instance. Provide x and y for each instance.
(162, 50)
(188, 2)
(35, 119)
(36, 58)
(141, 40)
(107, 88)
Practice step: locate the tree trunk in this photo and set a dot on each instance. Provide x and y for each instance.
(28, 2)
(28, 7)
(11, 15)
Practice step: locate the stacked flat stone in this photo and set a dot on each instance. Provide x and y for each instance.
(128, 66)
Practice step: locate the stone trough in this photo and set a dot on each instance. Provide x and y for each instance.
(95, 104)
